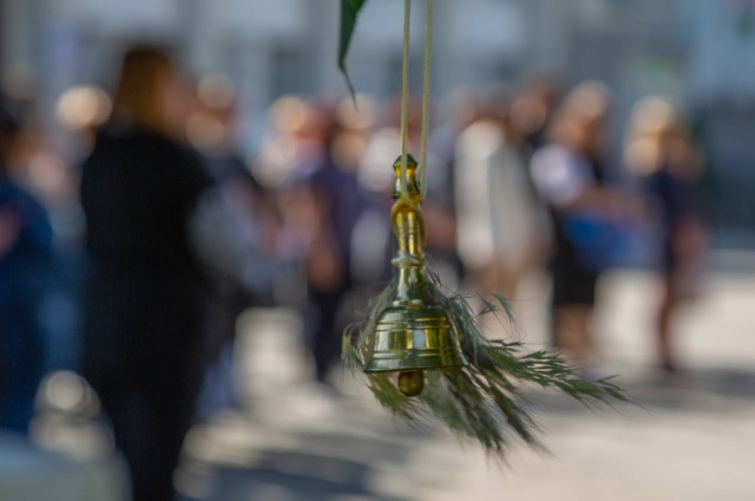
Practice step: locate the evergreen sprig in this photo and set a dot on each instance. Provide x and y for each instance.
(483, 401)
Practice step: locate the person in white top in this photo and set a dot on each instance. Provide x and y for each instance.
(502, 228)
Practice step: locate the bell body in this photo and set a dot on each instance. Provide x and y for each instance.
(414, 332)
(414, 337)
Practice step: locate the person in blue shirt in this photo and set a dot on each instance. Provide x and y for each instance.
(26, 268)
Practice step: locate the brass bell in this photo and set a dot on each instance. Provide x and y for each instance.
(414, 333)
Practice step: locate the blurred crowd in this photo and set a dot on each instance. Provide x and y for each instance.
(129, 258)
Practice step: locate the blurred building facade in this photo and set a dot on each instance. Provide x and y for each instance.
(701, 50)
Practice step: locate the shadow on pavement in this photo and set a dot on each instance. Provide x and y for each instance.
(293, 476)
(714, 390)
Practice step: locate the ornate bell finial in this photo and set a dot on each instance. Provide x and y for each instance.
(414, 333)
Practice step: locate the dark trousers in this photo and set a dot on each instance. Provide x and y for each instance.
(149, 428)
(21, 365)
(326, 340)
(142, 353)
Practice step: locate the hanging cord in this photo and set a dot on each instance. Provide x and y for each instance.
(405, 102)
(426, 97)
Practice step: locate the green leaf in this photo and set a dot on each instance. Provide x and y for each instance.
(349, 12)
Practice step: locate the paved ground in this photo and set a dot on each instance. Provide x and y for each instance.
(693, 439)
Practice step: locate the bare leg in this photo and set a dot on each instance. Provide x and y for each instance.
(571, 328)
(665, 314)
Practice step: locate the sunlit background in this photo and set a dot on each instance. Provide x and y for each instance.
(701, 50)
(286, 438)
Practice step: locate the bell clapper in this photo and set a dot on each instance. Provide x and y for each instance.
(411, 383)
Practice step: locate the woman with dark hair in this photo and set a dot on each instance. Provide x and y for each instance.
(142, 342)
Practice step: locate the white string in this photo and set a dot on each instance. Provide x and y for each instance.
(426, 96)
(425, 99)
(405, 102)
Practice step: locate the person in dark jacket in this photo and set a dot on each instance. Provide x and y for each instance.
(329, 182)
(144, 320)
